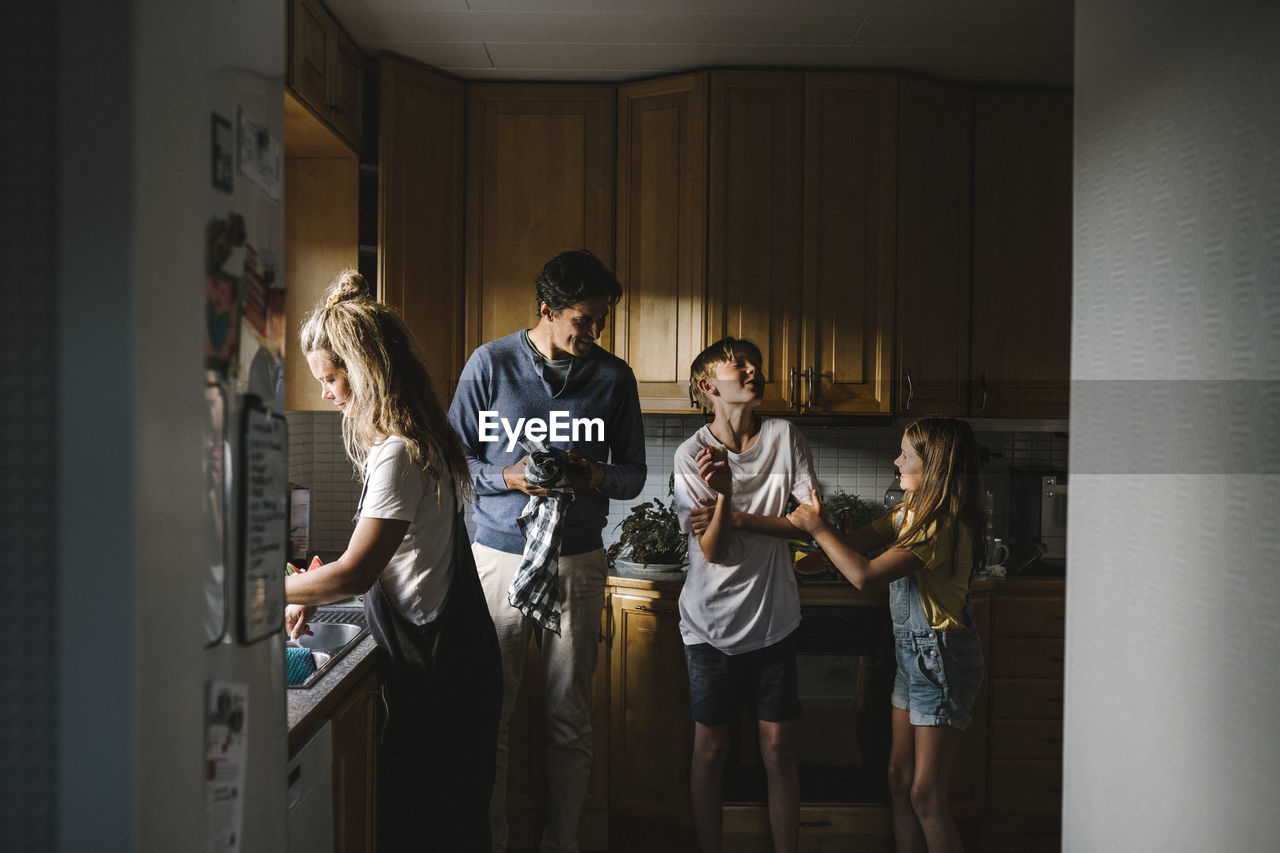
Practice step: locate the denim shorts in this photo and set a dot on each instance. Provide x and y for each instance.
(939, 673)
(763, 680)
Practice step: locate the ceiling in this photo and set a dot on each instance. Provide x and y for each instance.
(1011, 42)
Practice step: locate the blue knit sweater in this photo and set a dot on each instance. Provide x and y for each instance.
(503, 383)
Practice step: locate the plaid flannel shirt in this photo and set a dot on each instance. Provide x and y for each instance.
(533, 589)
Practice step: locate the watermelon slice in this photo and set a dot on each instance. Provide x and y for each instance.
(811, 565)
(315, 561)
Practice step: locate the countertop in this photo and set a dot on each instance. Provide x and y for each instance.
(308, 709)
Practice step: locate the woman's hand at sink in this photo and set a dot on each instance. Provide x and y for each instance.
(296, 617)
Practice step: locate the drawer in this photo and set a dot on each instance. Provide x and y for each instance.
(1024, 787)
(1027, 657)
(1028, 698)
(1031, 615)
(1021, 834)
(1026, 739)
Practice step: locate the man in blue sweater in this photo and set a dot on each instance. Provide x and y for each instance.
(553, 383)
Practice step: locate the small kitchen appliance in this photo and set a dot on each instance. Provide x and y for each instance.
(1038, 512)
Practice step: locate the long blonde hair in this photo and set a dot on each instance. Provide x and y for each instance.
(392, 391)
(949, 491)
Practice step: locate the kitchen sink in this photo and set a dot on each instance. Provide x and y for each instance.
(335, 631)
(331, 635)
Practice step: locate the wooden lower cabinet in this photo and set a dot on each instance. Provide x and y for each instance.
(1025, 661)
(355, 788)
(823, 829)
(651, 736)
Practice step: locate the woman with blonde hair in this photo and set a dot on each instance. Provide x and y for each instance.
(410, 557)
(934, 545)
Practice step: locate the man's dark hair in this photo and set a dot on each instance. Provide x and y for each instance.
(573, 277)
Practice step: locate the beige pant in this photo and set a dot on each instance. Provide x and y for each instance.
(568, 664)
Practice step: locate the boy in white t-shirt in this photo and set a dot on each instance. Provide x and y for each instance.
(740, 605)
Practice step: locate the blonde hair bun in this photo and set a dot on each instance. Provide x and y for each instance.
(349, 286)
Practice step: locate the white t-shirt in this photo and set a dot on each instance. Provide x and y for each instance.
(418, 575)
(750, 600)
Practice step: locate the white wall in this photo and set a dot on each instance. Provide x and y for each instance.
(1172, 739)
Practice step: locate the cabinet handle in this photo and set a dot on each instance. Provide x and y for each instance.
(911, 393)
(335, 109)
(791, 387)
(810, 824)
(808, 397)
(654, 610)
(982, 378)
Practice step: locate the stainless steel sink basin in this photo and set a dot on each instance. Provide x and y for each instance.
(331, 635)
(335, 631)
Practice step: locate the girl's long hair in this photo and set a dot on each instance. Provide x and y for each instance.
(392, 392)
(950, 492)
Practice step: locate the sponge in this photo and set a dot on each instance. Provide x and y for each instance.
(301, 664)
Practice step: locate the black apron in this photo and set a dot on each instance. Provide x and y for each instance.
(442, 689)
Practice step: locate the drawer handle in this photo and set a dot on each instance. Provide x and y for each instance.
(654, 610)
(1056, 659)
(812, 824)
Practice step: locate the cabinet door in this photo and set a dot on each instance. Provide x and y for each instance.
(755, 213)
(850, 196)
(662, 234)
(321, 233)
(651, 739)
(355, 724)
(539, 182)
(1022, 254)
(420, 212)
(309, 53)
(969, 773)
(346, 89)
(935, 234)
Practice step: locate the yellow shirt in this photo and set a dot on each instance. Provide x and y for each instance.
(944, 580)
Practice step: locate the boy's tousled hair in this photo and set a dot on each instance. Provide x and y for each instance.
(721, 352)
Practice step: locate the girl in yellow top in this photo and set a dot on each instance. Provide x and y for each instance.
(934, 546)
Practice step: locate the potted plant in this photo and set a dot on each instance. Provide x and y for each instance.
(651, 539)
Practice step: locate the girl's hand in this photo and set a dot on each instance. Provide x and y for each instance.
(296, 617)
(808, 517)
(700, 517)
(714, 469)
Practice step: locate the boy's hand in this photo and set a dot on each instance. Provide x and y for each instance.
(700, 518)
(714, 469)
(808, 517)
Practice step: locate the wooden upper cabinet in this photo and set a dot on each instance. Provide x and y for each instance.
(755, 214)
(540, 181)
(850, 195)
(1022, 254)
(321, 233)
(326, 69)
(420, 212)
(662, 234)
(935, 234)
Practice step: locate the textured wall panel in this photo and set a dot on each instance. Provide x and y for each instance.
(1173, 701)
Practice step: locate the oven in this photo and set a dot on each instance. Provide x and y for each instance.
(845, 666)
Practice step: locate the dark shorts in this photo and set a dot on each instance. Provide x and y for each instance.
(763, 680)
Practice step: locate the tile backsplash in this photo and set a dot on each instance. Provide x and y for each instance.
(852, 457)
